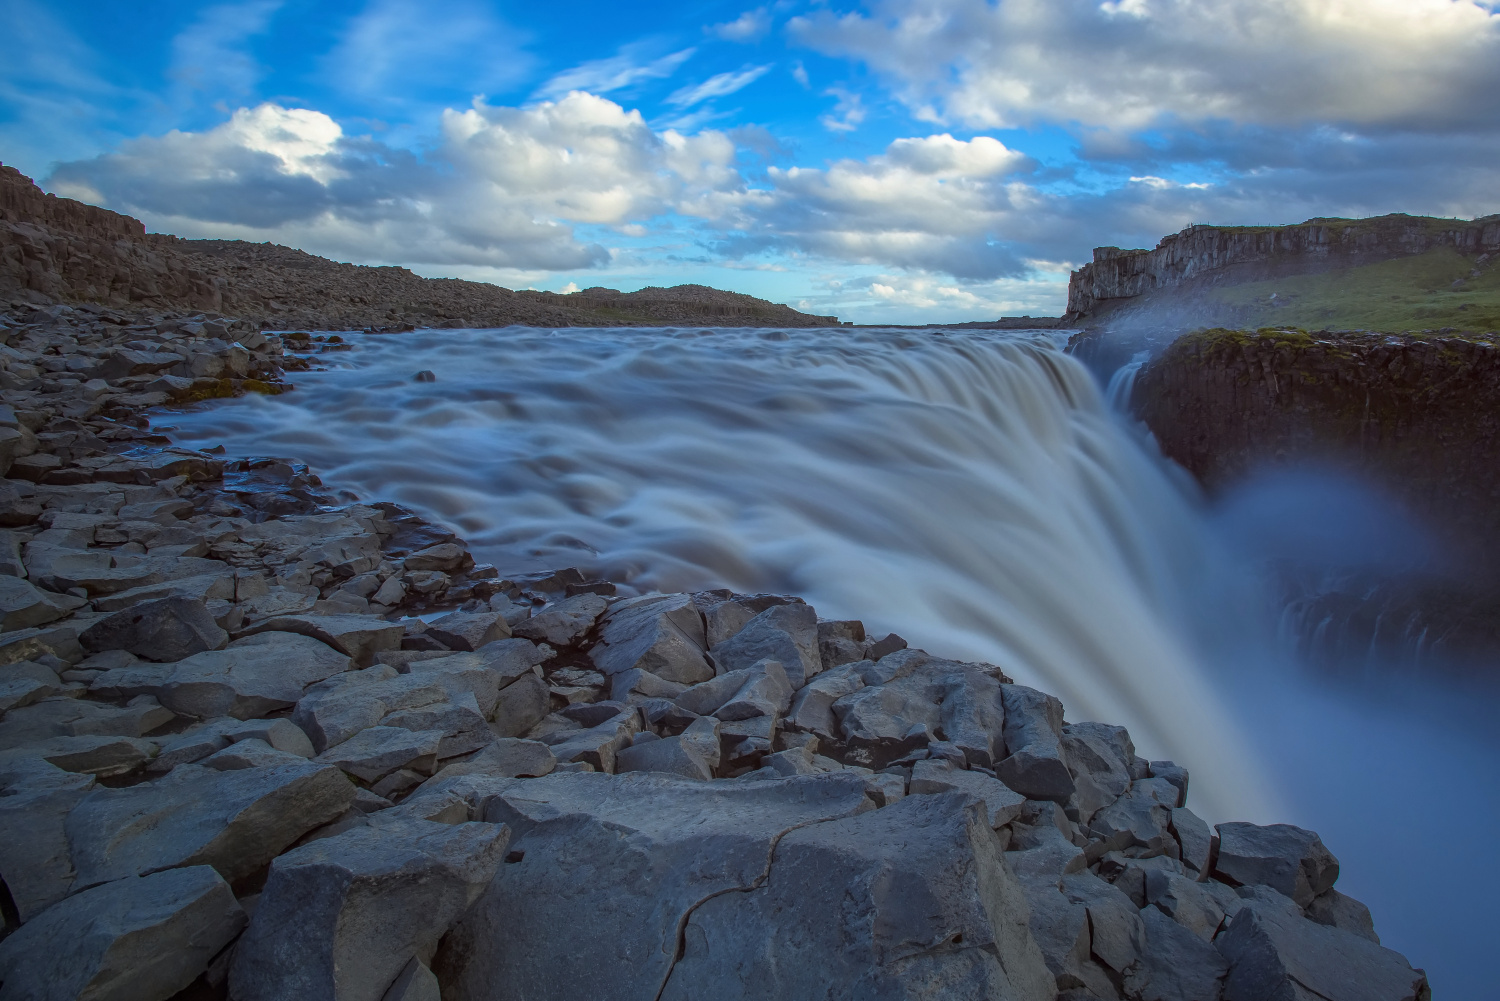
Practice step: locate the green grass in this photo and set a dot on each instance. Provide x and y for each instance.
(1410, 293)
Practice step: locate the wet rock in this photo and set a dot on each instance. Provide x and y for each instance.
(142, 938)
(787, 634)
(23, 605)
(164, 629)
(564, 623)
(357, 636)
(1033, 732)
(1289, 860)
(1001, 804)
(253, 676)
(342, 917)
(446, 558)
(661, 634)
(609, 869)
(1274, 952)
(469, 630)
(927, 901)
(235, 821)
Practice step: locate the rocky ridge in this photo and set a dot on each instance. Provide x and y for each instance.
(1119, 282)
(57, 250)
(233, 764)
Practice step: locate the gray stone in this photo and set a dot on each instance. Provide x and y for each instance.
(671, 755)
(661, 634)
(142, 938)
(1175, 774)
(593, 713)
(643, 684)
(1194, 839)
(1145, 812)
(1185, 901)
(1117, 937)
(26, 682)
(840, 641)
(926, 909)
(521, 705)
(1275, 954)
(235, 821)
(459, 720)
(703, 736)
(102, 757)
(469, 630)
(1334, 909)
(787, 634)
(597, 745)
(35, 860)
(973, 716)
(1130, 874)
(1101, 775)
(359, 637)
(506, 757)
(1288, 859)
(725, 614)
(375, 752)
(163, 629)
(884, 788)
(706, 697)
(564, 623)
(765, 692)
(1176, 964)
(414, 983)
(334, 710)
(23, 605)
(811, 710)
(254, 676)
(342, 917)
(446, 557)
(61, 716)
(29, 644)
(1002, 804)
(250, 753)
(1033, 732)
(610, 868)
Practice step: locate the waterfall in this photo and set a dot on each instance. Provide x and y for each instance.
(970, 491)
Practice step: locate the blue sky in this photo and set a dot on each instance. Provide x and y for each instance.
(888, 161)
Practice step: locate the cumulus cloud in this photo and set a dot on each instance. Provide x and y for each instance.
(1133, 64)
(934, 203)
(504, 187)
(748, 27)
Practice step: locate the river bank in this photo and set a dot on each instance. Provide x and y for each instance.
(390, 804)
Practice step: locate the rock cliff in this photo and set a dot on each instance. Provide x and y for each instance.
(1204, 256)
(60, 250)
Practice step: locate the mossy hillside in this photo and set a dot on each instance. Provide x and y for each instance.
(1431, 291)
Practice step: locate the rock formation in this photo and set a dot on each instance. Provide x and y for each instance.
(60, 250)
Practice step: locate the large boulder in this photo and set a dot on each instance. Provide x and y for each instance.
(61, 716)
(608, 869)
(358, 637)
(235, 820)
(36, 862)
(141, 938)
(342, 917)
(1288, 859)
(564, 623)
(163, 629)
(911, 901)
(1033, 740)
(23, 604)
(661, 634)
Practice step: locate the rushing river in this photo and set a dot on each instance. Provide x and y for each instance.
(971, 491)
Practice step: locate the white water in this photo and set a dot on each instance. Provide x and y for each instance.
(969, 490)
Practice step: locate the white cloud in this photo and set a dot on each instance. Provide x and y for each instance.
(1136, 64)
(605, 76)
(718, 85)
(847, 114)
(748, 27)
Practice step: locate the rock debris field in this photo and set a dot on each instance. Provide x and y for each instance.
(234, 762)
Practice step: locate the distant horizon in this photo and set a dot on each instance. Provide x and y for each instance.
(886, 161)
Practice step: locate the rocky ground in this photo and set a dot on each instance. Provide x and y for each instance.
(234, 763)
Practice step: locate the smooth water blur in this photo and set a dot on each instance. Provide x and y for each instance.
(968, 490)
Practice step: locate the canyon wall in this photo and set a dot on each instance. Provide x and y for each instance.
(1202, 256)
